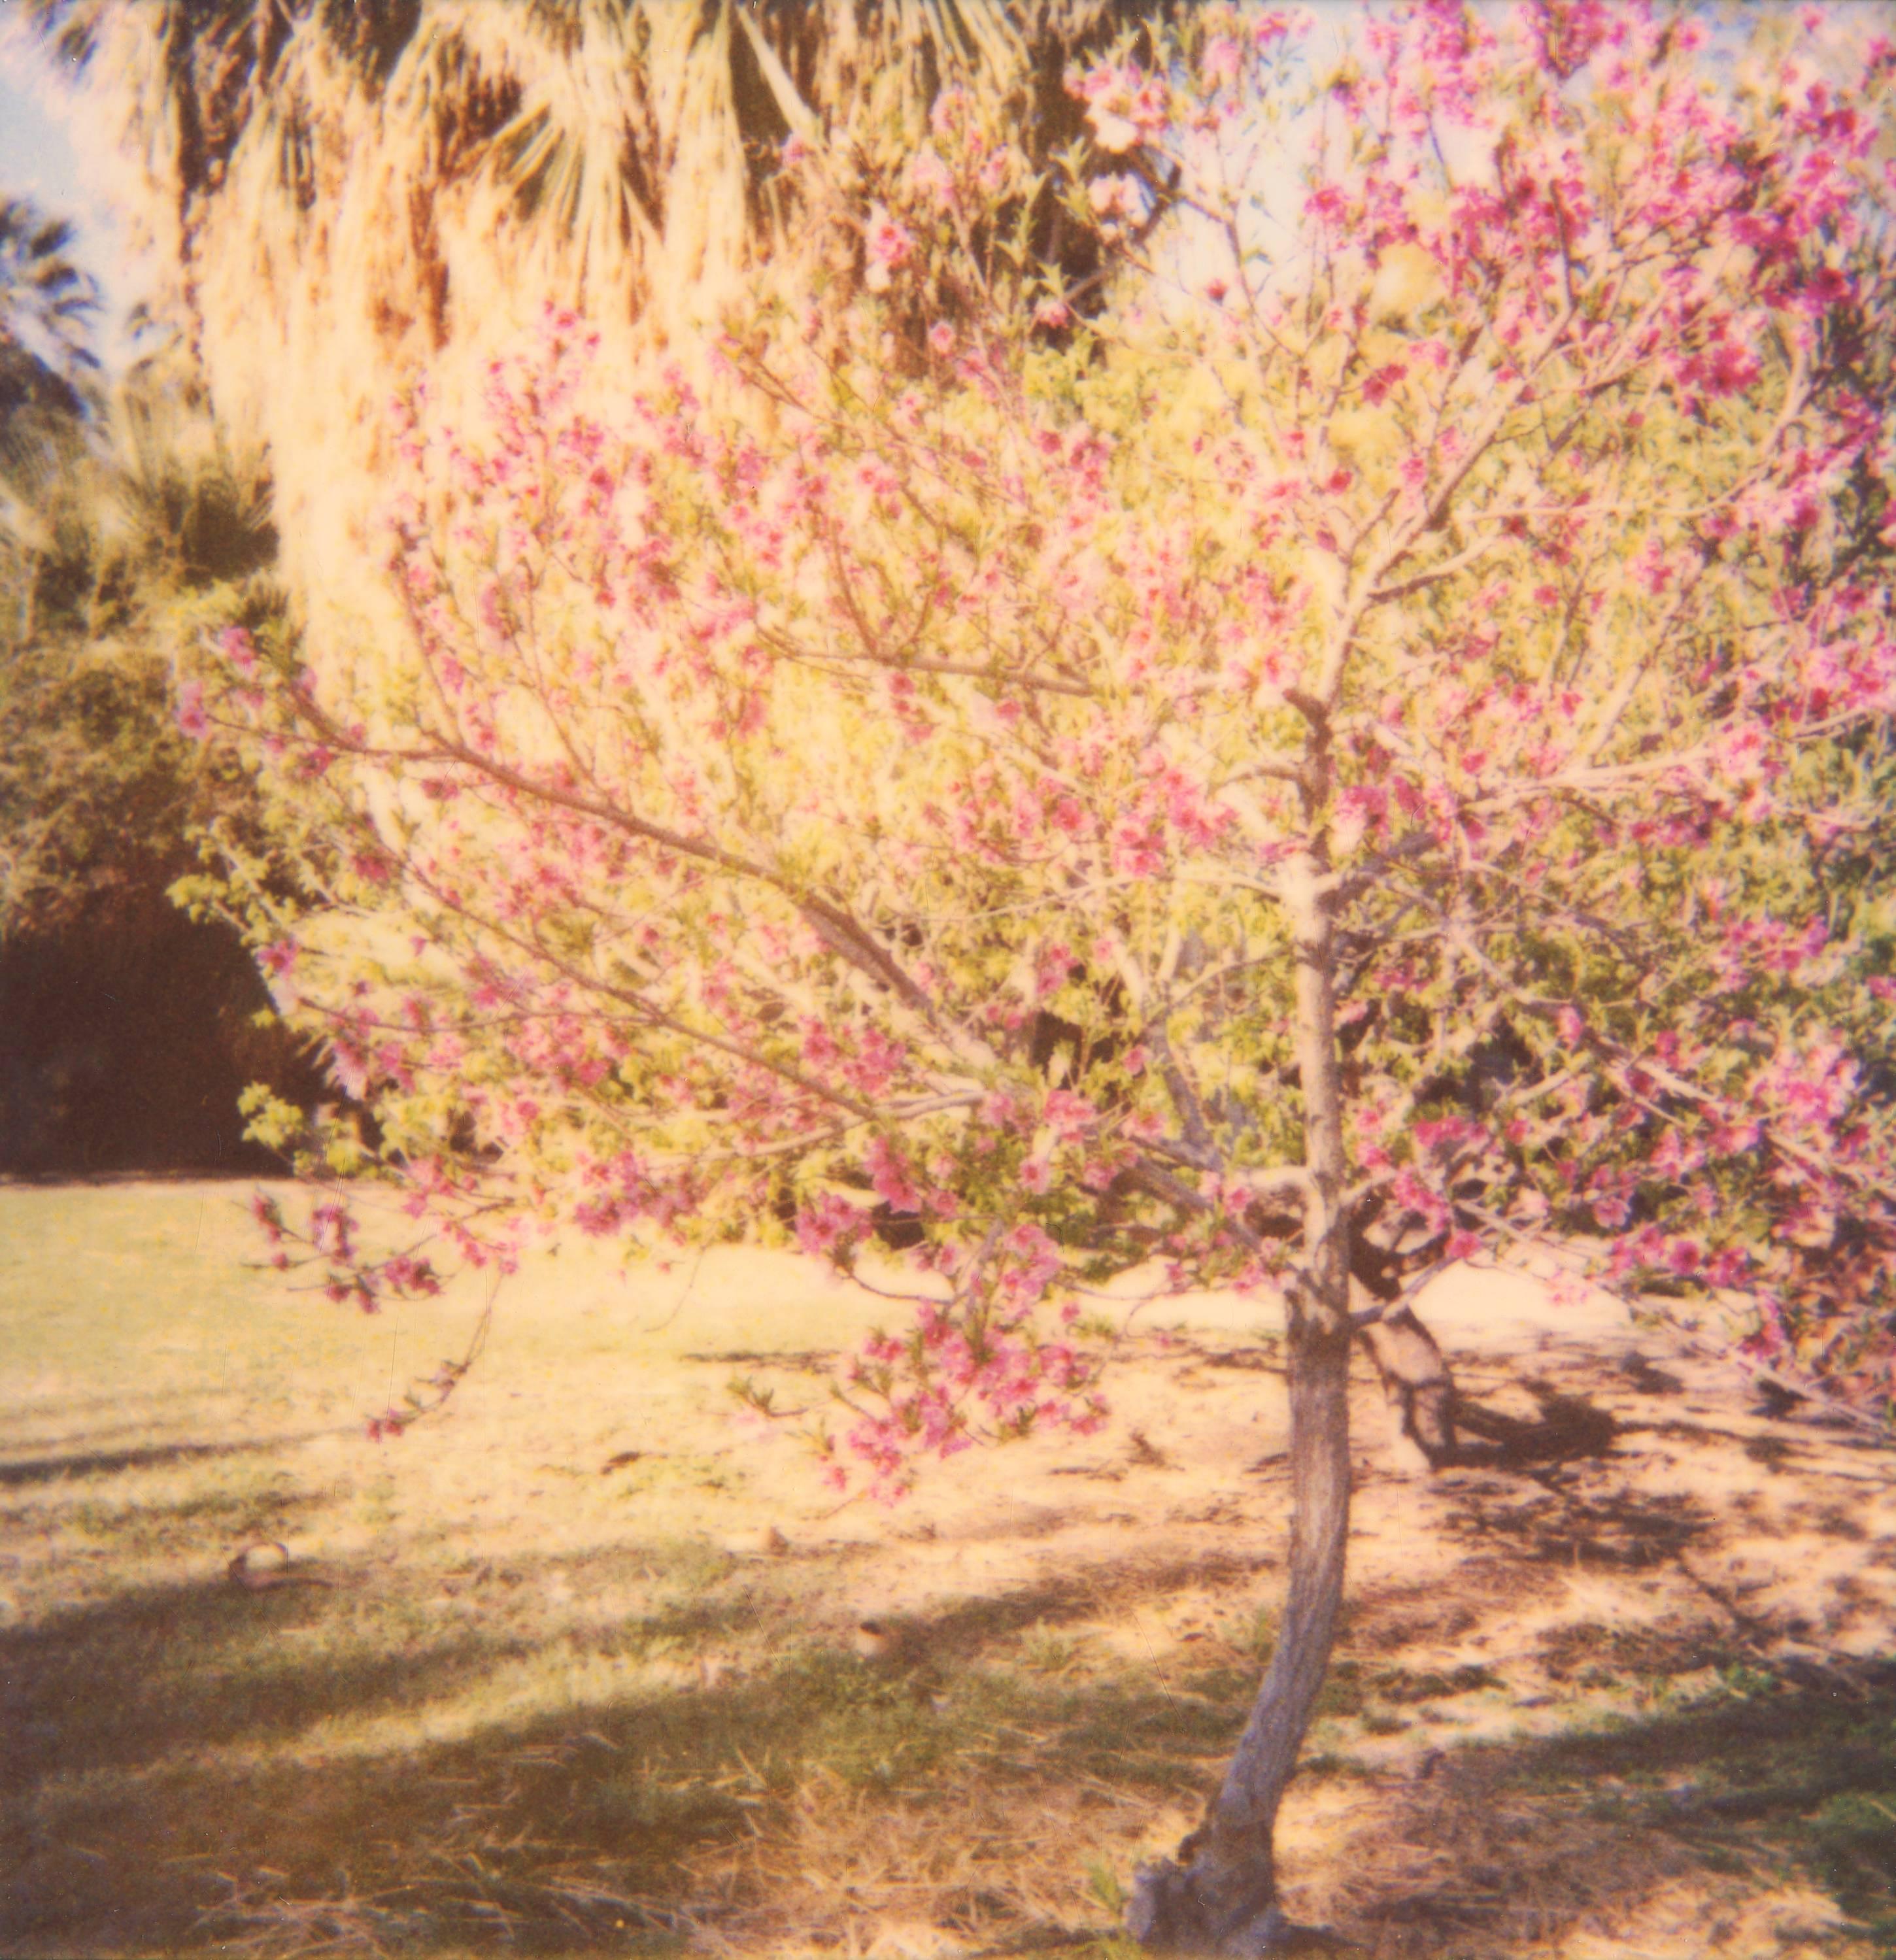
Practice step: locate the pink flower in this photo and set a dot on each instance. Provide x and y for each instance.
(1220, 62)
(941, 338)
(1115, 198)
(828, 1222)
(1376, 387)
(1279, 23)
(890, 1176)
(192, 719)
(236, 646)
(930, 176)
(887, 246)
(350, 1069)
(1125, 106)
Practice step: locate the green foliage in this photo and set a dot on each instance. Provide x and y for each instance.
(125, 530)
(146, 537)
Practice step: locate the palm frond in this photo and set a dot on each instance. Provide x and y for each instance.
(47, 307)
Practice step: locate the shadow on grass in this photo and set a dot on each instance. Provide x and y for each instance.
(153, 1456)
(168, 1794)
(965, 1631)
(1793, 1778)
(128, 1684)
(158, 1803)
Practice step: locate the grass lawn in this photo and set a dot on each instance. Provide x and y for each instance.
(573, 1667)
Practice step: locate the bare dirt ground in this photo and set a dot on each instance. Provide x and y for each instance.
(576, 1666)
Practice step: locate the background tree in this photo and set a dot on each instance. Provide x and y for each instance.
(1333, 773)
(126, 1032)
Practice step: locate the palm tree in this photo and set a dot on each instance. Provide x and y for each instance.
(354, 192)
(47, 400)
(48, 404)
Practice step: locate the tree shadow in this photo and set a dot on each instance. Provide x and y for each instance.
(1523, 1841)
(126, 1683)
(152, 1456)
(159, 1799)
(971, 1629)
(169, 1792)
(1558, 1525)
(1568, 1428)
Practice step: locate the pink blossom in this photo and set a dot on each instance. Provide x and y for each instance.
(1125, 106)
(828, 1224)
(1116, 198)
(1221, 61)
(192, 718)
(887, 246)
(236, 646)
(931, 177)
(890, 1175)
(1277, 23)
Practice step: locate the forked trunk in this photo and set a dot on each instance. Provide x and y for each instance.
(1219, 1897)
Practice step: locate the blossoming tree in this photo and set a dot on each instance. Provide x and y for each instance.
(1380, 755)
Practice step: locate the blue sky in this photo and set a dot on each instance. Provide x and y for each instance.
(49, 152)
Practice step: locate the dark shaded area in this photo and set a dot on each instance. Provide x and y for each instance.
(126, 1036)
(1570, 1528)
(132, 1819)
(1568, 1428)
(108, 1462)
(103, 1686)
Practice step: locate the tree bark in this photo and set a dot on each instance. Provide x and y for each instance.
(1219, 1897)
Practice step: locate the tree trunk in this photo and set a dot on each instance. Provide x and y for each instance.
(1219, 1896)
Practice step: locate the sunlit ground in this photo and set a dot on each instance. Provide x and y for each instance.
(573, 1666)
